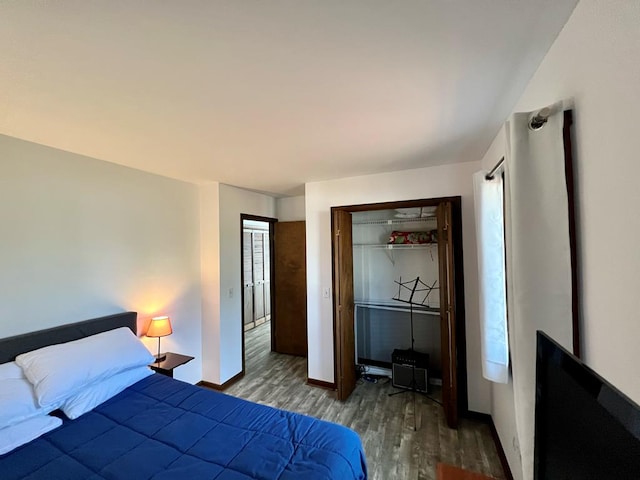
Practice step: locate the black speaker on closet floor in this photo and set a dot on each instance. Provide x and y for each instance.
(402, 369)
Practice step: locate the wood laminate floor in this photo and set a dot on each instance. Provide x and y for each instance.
(385, 424)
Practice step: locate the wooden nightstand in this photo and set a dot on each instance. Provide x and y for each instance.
(173, 360)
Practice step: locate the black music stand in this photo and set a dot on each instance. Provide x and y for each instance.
(411, 288)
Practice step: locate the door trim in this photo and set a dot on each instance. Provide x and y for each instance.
(271, 222)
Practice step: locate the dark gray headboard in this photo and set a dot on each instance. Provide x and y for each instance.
(13, 346)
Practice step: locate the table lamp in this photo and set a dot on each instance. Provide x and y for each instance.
(159, 327)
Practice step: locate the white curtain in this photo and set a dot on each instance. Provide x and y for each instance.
(538, 257)
(488, 200)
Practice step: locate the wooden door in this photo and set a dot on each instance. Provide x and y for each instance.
(447, 313)
(290, 289)
(345, 342)
(247, 278)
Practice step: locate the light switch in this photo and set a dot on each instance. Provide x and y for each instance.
(326, 292)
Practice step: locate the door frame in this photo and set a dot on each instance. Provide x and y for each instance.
(460, 343)
(271, 222)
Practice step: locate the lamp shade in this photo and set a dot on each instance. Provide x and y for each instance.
(159, 327)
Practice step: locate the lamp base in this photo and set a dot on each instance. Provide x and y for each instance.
(160, 357)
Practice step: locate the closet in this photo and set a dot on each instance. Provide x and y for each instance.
(379, 250)
(392, 248)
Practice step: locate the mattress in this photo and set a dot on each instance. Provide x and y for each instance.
(161, 429)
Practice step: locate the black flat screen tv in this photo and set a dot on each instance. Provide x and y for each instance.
(585, 428)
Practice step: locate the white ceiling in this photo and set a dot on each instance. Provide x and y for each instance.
(269, 94)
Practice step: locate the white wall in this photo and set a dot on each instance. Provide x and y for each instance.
(210, 275)
(81, 238)
(595, 61)
(233, 202)
(290, 209)
(442, 181)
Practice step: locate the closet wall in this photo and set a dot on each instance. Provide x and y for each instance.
(382, 323)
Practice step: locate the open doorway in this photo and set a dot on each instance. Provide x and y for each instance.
(257, 275)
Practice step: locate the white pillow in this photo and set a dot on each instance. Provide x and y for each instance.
(10, 370)
(21, 433)
(59, 371)
(18, 402)
(93, 395)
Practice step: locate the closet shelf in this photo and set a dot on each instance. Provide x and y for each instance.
(397, 221)
(395, 246)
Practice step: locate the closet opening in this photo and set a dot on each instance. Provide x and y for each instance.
(392, 249)
(398, 294)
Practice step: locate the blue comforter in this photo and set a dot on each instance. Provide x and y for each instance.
(164, 429)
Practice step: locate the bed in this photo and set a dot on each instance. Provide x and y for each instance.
(161, 428)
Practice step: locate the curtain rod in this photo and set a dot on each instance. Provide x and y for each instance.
(539, 119)
(536, 123)
(490, 175)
